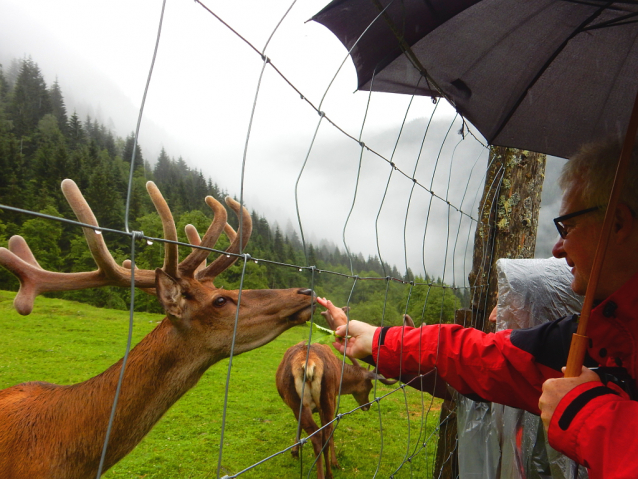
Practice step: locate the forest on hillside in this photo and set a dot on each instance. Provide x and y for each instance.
(41, 144)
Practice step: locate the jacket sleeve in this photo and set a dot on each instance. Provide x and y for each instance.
(472, 362)
(596, 426)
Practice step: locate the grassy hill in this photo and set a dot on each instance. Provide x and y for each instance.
(66, 342)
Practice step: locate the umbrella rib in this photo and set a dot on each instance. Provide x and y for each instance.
(595, 3)
(540, 73)
(614, 23)
(407, 50)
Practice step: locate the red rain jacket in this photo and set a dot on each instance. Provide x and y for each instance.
(596, 425)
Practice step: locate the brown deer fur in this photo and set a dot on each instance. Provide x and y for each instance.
(57, 432)
(323, 377)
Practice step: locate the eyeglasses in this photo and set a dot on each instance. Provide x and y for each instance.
(562, 230)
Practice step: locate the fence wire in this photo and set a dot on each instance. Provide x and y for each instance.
(458, 219)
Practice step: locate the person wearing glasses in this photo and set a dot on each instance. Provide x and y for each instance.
(592, 418)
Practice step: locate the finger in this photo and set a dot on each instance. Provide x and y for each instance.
(331, 307)
(547, 384)
(589, 375)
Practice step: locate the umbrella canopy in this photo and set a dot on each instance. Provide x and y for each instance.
(542, 75)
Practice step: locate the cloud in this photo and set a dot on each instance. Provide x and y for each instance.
(209, 103)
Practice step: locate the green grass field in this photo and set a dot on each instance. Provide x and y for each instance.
(65, 342)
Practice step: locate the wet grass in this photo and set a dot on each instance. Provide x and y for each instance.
(65, 342)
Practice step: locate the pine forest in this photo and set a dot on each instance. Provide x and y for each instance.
(41, 143)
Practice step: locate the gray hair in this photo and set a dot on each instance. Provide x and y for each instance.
(593, 169)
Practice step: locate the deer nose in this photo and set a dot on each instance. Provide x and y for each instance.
(307, 292)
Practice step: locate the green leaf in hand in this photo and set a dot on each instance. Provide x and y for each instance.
(322, 335)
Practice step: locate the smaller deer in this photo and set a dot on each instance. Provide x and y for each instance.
(323, 378)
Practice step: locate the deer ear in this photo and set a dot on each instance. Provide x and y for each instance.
(408, 321)
(169, 294)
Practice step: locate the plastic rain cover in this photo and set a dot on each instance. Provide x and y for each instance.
(497, 441)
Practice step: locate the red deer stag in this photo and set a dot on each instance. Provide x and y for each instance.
(51, 431)
(323, 377)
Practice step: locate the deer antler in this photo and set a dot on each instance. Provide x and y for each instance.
(237, 242)
(35, 280)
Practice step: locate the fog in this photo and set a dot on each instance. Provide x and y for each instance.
(209, 103)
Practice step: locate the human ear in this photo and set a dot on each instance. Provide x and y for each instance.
(624, 223)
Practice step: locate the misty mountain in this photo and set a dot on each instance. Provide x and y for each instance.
(41, 144)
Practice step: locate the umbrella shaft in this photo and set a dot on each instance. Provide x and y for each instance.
(576, 356)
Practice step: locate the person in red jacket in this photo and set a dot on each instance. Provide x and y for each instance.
(591, 418)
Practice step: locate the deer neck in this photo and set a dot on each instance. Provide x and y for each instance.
(352, 376)
(159, 370)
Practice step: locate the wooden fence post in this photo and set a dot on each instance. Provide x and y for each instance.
(508, 219)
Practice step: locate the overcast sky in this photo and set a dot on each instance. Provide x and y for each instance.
(200, 101)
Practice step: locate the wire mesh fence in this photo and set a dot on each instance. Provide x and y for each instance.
(408, 193)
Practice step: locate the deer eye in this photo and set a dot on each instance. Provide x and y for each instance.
(219, 302)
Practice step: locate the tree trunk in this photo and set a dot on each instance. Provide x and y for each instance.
(507, 223)
(508, 218)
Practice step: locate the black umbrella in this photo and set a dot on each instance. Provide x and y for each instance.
(542, 75)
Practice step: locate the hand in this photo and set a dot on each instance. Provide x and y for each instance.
(358, 344)
(555, 389)
(360, 335)
(338, 315)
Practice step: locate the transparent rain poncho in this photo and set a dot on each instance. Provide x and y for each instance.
(497, 441)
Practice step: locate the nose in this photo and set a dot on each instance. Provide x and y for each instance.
(307, 292)
(558, 250)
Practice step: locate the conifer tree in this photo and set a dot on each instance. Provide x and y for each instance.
(127, 154)
(29, 99)
(75, 134)
(312, 258)
(278, 246)
(4, 87)
(105, 200)
(58, 109)
(163, 167)
(42, 151)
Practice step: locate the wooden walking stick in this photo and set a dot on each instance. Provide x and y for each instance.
(579, 339)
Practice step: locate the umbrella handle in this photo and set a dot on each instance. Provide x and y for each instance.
(580, 340)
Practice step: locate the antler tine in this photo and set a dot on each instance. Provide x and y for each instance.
(94, 238)
(23, 302)
(19, 247)
(127, 263)
(408, 321)
(193, 238)
(28, 273)
(34, 280)
(224, 261)
(168, 225)
(196, 260)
